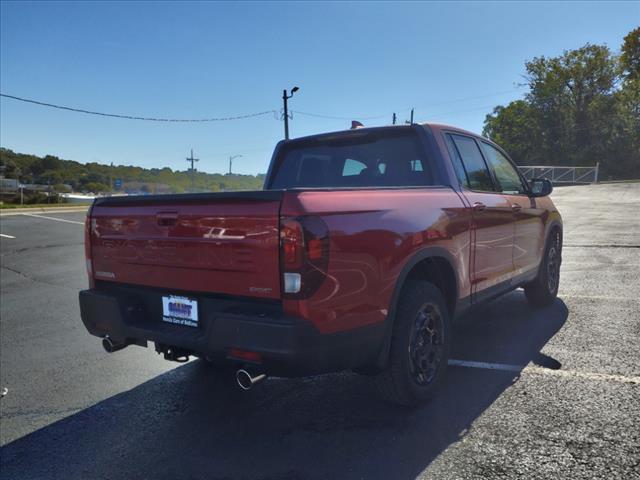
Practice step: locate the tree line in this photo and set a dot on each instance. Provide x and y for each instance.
(99, 178)
(582, 107)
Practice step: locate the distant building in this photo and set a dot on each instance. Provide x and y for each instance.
(9, 185)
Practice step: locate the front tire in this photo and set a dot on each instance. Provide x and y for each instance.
(420, 346)
(544, 289)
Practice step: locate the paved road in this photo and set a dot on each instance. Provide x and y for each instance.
(72, 411)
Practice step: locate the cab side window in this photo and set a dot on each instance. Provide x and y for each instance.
(478, 176)
(508, 179)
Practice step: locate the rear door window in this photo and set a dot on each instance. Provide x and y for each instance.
(457, 162)
(352, 167)
(477, 172)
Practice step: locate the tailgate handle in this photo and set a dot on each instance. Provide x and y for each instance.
(167, 219)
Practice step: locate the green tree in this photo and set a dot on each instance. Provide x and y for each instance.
(96, 187)
(49, 162)
(630, 57)
(582, 108)
(515, 125)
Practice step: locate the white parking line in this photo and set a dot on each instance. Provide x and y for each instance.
(598, 297)
(10, 213)
(52, 218)
(598, 264)
(545, 371)
(6, 236)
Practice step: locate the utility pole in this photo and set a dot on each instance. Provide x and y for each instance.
(286, 97)
(192, 169)
(394, 118)
(231, 161)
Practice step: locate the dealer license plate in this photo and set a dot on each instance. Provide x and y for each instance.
(180, 310)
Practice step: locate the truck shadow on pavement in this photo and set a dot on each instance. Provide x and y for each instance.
(189, 424)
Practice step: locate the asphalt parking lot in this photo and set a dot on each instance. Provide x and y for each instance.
(549, 393)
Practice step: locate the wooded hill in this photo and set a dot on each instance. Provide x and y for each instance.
(96, 178)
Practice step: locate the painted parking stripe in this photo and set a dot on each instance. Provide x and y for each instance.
(52, 218)
(598, 264)
(11, 213)
(546, 371)
(6, 236)
(604, 245)
(598, 297)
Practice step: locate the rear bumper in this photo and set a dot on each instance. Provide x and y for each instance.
(288, 346)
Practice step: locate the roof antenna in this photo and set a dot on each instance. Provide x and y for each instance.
(356, 124)
(411, 121)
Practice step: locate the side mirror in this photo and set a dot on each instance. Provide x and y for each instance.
(540, 187)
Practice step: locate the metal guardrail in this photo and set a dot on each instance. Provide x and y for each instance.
(575, 175)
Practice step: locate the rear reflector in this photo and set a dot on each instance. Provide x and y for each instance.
(245, 355)
(314, 249)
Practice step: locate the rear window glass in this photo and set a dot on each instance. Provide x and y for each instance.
(372, 159)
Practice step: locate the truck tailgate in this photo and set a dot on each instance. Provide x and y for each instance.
(224, 243)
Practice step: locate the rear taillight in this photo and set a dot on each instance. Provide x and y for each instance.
(304, 254)
(87, 250)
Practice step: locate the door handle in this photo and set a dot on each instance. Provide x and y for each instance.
(479, 206)
(167, 219)
(516, 208)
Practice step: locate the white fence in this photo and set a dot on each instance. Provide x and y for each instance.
(556, 175)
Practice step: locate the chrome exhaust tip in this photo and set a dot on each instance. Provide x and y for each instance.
(110, 346)
(246, 381)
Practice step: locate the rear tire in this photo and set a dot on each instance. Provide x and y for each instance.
(544, 289)
(420, 344)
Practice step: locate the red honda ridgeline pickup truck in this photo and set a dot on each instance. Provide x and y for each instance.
(359, 252)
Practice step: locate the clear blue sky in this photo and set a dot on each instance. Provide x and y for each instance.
(193, 60)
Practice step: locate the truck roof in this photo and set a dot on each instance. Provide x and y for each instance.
(364, 130)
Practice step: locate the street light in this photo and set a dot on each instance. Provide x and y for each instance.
(231, 161)
(286, 97)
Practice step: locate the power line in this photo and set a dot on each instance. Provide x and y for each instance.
(377, 117)
(439, 114)
(235, 117)
(466, 99)
(274, 112)
(132, 117)
(332, 117)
